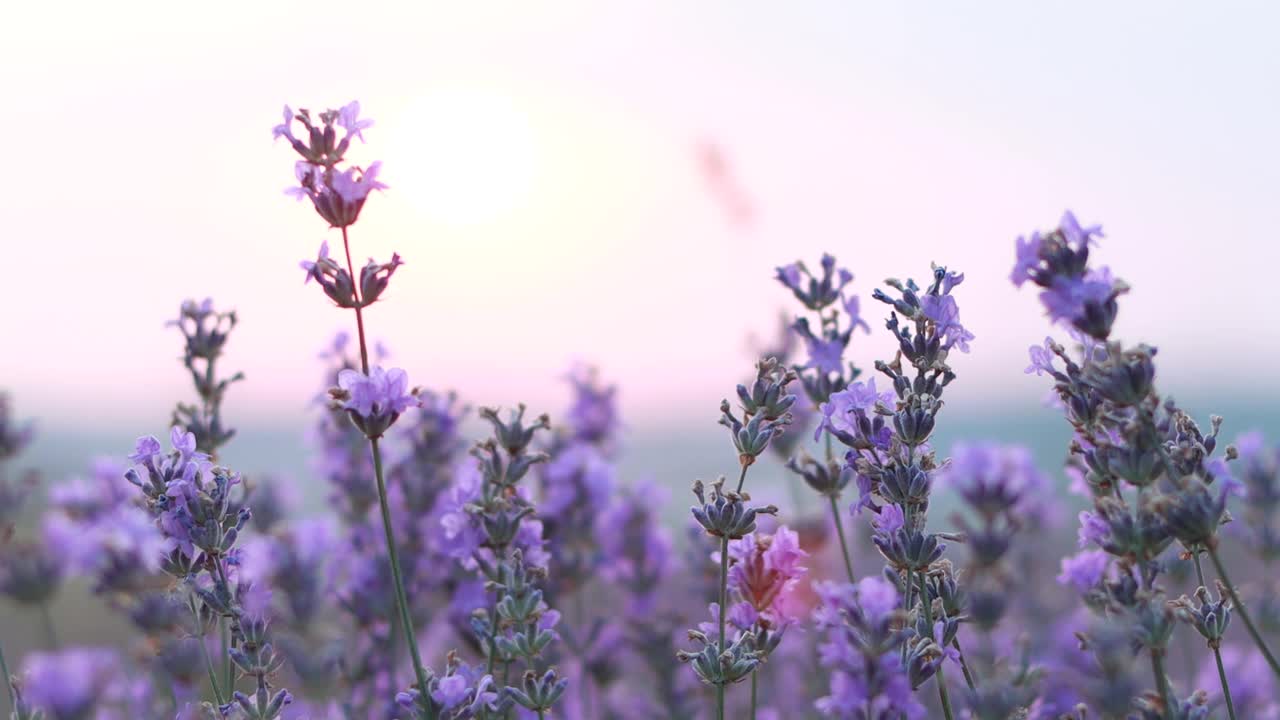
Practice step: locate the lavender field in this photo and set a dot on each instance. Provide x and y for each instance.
(768, 377)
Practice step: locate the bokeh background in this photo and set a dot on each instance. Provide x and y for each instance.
(613, 184)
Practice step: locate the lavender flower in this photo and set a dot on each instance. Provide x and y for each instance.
(206, 332)
(868, 679)
(338, 194)
(374, 400)
(1073, 293)
(70, 685)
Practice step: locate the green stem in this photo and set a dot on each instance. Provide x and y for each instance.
(964, 666)
(393, 554)
(928, 617)
(228, 669)
(8, 686)
(844, 546)
(1162, 680)
(1222, 678)
(204, 652)
(1244, 613)
(402, 601)
(724, 596)
(754, 683)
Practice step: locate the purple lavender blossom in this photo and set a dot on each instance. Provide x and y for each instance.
(374, 401)
(1084, 570)
(338, 194)
(1041, 358)
(849, 415)
(69, 685)
(1071, 291)
(945, 313)
(593, 414)
(860, 650)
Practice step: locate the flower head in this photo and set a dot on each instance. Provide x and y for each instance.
(376, 400)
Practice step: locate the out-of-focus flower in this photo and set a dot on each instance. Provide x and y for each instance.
(68, 685)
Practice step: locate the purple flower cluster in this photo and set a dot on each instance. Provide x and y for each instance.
(537, 582)
(863, 639)
(1072, 292)
(337, 193)
(1148, 467)
(825, 371)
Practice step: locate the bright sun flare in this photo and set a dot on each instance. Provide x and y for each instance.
(463, 157)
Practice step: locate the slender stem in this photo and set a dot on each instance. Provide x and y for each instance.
(8, 686)
(742, 477)
(46, 621)
(1162, 680)
(928, 617)
(906, 607)
(397, 575)
(1195, 555)
(1244, 613)
(844, 546)
(964, 666)
(724, 598)
(204, 652)
(393, 554)
(224, 630)
(754, 682)
(355, 290)
(1222, 678)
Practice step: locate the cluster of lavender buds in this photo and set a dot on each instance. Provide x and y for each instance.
(195, 506)
(1001, 490)
(887, 439)
(865, 637)
(206, 331)
(730, 516)
(540, 583)
(1151, 472)
(515, 626)
(825, 373)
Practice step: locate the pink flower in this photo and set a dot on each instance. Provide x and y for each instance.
(766, 570)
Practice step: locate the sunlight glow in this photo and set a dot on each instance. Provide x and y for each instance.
(463, 156)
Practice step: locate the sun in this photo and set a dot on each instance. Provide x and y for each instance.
(463, 156)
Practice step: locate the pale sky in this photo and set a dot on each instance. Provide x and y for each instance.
(546, 196)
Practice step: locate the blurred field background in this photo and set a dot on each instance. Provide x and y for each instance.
(613, 184)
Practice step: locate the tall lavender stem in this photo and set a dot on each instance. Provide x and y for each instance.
(397, 576)
(204, 652)
(1244, 613)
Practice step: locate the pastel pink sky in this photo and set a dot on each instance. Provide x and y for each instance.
(547, 198)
